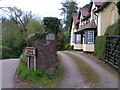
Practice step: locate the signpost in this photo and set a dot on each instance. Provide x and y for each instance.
(31, 52)
(50, 36)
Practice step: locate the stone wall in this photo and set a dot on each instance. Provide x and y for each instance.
(46, 52)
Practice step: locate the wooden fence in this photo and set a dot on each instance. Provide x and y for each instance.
(112, 55)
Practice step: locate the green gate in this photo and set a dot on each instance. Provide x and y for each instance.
(112, 55)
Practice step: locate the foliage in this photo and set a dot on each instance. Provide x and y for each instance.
(0, 42)
(12, 37)
(32, 37)
(68, 47)
(86, 6)
(67, 10)
(118, 6)
(113, 29)
(100, 44)
(67, 38)
(39, 76)
(19, 17)
(34, 26)
(16, 27)
(6, 52)
(71, 47)
(23, 58)
(60, 41)
(51, 24)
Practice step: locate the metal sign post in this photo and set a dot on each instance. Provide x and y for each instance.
(31, 52)
(34, 63)
(28, 62)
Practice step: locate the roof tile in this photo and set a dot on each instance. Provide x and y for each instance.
(84, 11)
(75, 18)
(89, 25)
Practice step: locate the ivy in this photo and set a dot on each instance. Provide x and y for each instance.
(33, 37)
(40, 35)
(51, 24)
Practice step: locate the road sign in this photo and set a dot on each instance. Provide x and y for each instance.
(50, 36)
(30, 51)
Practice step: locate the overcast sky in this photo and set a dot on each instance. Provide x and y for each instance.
(42, 8)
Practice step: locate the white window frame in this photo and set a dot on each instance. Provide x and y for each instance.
(78, 36)
(90, 37)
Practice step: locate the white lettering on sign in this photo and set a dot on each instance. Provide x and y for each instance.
(30, 51)
(50, 36)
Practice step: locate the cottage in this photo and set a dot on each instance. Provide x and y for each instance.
(92, 22)
(73, 27)
(107, 15)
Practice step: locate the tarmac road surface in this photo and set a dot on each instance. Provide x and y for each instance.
(7, 71)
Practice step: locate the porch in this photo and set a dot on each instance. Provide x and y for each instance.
(85, 37)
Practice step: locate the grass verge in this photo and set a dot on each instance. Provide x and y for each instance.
(39, 77)
(90, 76)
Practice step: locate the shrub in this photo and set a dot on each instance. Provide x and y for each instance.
(23, 58)
(68, 47)
(51, 24)
(71, 47)
(113, 29)
(6, 52)
(100, 44)
(0, 42)
(118, 6)
(60, 41)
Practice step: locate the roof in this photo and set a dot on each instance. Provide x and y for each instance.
(90, 25)
(84, 11)
(104, 5)
(75, 18)
(99, 3)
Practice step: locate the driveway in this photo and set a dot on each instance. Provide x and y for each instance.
(85, 71)
(7, 71)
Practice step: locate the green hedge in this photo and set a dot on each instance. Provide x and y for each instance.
(100, 41)
(113, 29)
(6, 52)
(100, 44)
(51, 24)
(118, 6)
(69, 47)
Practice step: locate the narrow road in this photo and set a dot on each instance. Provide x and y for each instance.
(93, 73)
(71, 75)
(7, 71)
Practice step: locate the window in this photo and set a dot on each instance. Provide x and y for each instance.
(94, 16)
(90, 37)
(78, 38)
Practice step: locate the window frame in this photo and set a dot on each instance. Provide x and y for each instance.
(90, 37)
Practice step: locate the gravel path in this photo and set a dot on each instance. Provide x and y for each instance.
(71, 78)
(71, 74)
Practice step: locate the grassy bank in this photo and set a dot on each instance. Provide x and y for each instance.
(39, 77)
